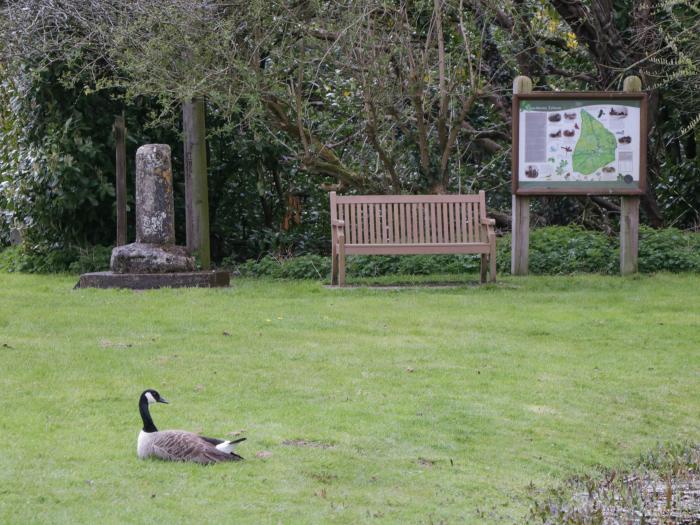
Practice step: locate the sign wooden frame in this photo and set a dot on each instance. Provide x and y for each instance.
(589, 187)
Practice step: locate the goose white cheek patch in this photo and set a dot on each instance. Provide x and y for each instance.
(150, 398)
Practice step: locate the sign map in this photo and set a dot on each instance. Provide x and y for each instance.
(579, 145)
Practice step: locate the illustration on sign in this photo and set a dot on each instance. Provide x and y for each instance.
(579, 143)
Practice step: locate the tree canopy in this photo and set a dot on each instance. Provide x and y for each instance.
(390, 96)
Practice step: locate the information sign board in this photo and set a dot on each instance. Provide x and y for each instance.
(579, 143)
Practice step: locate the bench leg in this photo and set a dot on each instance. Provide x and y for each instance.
(492, 257)
(334, 267)
(484, 267)
(341, 263)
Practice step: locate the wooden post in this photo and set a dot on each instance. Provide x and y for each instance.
(120, 141)
(629, 215)
(520, 239)
(197, 195)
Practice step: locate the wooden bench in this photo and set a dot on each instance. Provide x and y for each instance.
(411, 224)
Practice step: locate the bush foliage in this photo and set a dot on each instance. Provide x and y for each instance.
(553, 250)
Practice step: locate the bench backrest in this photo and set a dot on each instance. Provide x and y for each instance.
(411, 219)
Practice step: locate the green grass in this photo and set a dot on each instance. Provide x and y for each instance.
(438, 405)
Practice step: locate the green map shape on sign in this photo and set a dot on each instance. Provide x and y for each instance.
(595, 148)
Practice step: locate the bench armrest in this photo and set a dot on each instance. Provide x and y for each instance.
(488, 222)
(335, 223)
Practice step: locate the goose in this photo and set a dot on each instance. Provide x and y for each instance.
(179, 445)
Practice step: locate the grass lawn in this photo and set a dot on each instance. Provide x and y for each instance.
(418, 405)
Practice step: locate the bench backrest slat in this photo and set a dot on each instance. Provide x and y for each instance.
(410, 219)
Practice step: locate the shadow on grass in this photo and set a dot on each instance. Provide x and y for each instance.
(399, 282)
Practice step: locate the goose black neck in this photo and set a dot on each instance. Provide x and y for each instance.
(148, 425)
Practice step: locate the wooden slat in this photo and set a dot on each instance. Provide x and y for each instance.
(390, 222)
(360, 229)
(421, 222)
(445, 223)
(353, 225)
(451, 223)
(438, 214)
(414, 221)
(464, 237)
(477, 222)
(470, 230)
(365, 223)
(372, 224)
(407, 222)
(402, 223)
(358, 221)
(382, 223)
(431, 218)
(342, 215)
(477, 225)
(458, 222)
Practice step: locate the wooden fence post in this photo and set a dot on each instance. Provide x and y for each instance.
(629, 205)
(120, 184)
(520, 238)
(197, 193)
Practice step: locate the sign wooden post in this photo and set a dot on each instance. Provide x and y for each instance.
(120, 185)
(629, 206)
(520, 238)
(197, 195)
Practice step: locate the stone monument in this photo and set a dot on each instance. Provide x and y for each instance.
(154, 260)
(154, 250)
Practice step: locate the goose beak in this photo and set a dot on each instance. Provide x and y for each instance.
(163, 400)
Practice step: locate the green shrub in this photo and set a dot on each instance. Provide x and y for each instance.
(91, 259)
(55, 259)
(669, 250)
(9, 259)
(38, 259)
(302, 267)
(554, 250)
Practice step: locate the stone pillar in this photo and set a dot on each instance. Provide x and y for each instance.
(154, 250)
(155, 209)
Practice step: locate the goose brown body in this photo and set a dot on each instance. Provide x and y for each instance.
(179, 445)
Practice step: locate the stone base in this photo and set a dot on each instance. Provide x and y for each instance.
(139, 258)
(148, 281)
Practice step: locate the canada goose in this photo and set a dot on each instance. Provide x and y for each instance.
(179, 445)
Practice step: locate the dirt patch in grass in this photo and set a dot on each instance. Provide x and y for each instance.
(305, 443)
(663, 488)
